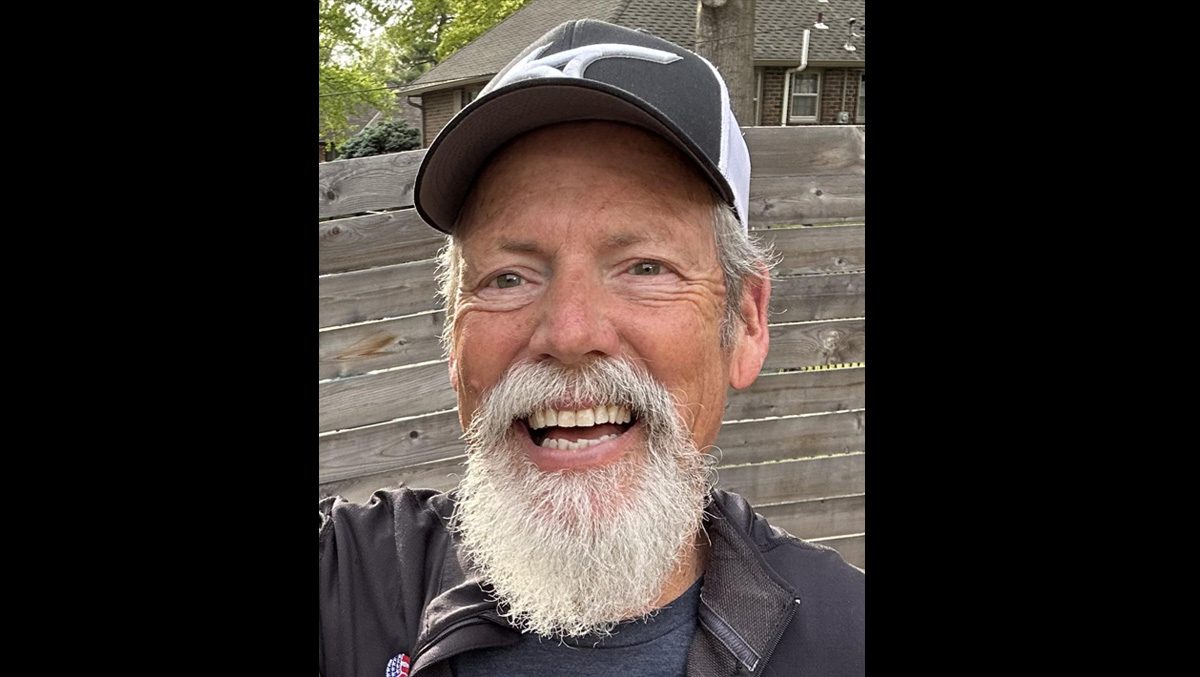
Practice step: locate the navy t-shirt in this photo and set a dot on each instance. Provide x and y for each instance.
(656, 647)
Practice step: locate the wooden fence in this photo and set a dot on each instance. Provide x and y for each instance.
(793, 443)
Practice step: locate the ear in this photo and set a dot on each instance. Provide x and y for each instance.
(453, 364)
(753, 336)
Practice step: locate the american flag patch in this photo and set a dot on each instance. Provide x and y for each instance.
(398, 666)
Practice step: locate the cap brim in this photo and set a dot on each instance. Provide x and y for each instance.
(457, 155)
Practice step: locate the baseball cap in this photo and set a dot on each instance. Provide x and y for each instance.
(590, 70)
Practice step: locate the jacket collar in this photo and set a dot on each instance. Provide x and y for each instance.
(744, 605)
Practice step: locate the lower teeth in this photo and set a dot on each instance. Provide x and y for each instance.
(557, 443)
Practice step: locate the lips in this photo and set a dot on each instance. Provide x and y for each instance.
(571, 429)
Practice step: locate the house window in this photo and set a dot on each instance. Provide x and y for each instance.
(470, 93)
(862, 98)
(805, 90)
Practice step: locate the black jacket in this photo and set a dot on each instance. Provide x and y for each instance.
(392, 582)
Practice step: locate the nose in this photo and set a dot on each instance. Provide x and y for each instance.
(574, 321)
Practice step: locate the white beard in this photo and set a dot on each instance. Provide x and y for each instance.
(574, 552)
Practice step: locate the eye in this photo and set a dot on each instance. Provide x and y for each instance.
(646, 268)
(506, 280)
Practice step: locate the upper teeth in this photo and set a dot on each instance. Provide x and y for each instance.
(579, 418)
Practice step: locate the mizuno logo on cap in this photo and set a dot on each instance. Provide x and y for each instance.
(573, 62)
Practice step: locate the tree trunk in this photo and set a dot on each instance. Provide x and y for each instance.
(725, 36)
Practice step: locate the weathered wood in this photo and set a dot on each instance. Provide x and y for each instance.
(372, 398)
(806, 199)
(375, 240)
(818, 297)
(725, 36)
(819, 518)
(818, 150)
(762, 483)
(853, 549)
(389, 291)
(818, 249)
(368, 183)
(797, 480)
(828, 342)
(799, 392)
(826, 158)
(384, 447)
(790, 438)
(357, 349)
(390, 446)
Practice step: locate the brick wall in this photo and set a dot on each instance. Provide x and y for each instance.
(772, 103)
(839, 92)
(439, 108)
(832, 100)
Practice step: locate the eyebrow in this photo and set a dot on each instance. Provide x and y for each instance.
(615, 241)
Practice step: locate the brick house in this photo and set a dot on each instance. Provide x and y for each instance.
(829, 89)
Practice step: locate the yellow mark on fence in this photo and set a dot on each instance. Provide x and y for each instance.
(836, 365)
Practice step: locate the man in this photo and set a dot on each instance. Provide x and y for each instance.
(601, 294)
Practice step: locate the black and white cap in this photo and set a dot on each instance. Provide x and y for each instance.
(590, 70)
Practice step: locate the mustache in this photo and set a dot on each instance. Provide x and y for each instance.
(529, 386)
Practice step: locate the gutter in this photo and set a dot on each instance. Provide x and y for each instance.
(787, 79)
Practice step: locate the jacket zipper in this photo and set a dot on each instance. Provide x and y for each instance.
(779, 635)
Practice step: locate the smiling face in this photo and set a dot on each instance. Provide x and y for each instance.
(592, 240)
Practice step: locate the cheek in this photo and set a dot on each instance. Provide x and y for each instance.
(486, 345)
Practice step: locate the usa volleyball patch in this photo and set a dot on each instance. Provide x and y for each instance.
(398, 666)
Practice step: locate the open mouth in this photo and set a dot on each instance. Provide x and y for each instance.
(571, 429)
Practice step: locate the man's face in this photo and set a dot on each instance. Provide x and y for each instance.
(584, 241)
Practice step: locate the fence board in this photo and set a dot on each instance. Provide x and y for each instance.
(819, 518)
(375, 240)
(363, 184)
(825, 154)
(348, 351)
(762, 483)
(372, 294)
(829, 342)
(386, 447)
(372, 398)
(357, 349)
(423, 439)
(799, 392)
(821, 249)
(766, 440)
(817, 151)
(818, 297)
(363, 400)
(796, 480)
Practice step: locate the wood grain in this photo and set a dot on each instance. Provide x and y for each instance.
(388, 446)
(828, 342)
(363, 184)
(818, 297)
(799, 392)
(357, 349)
(813, 150)
(819, 518)
(786, 481)
(764, 483)
(790, 438)
(372, 398)
(376, 293)
(831, 157)
(375, 240)
(818, 249)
